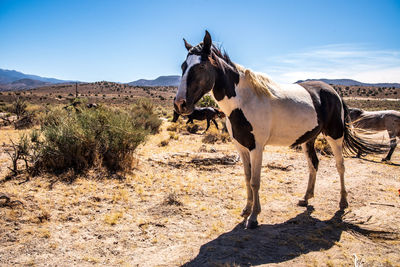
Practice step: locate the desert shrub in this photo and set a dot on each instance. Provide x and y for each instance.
(164, 142)
(27, 121)
(5, 107)
(210, 138)
(322, 146)
(19, 151)
(172, 127)
(207, 101)
(145, 116)
(78, 139)
(18, 107)
(173, 136)
(192, 128)
(213, 136)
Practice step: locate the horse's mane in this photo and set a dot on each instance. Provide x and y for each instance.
(260, 83)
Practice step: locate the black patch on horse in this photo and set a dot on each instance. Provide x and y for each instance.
(311, 153)
(225, 84)
(307, 136)
(328, 106)
(241, 129)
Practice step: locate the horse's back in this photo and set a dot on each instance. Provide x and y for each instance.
(379, 120)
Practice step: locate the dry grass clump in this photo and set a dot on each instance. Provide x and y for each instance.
(164, 142)
(172, 199)
(192, 128)
(321, 145)
(178, 127)
(213, 136)
(173, 136)
(21, 114)
(173, 127)
(113, 217)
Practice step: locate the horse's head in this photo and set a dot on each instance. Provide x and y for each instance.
(220, 114)
(198, 75)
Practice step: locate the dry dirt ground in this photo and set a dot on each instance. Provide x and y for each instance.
(181, 206)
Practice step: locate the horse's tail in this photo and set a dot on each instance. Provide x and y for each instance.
(353, 143)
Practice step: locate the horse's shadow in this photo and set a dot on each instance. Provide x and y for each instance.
(275, 243)
(379, 162)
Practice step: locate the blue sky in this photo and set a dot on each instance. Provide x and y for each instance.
(126, 40)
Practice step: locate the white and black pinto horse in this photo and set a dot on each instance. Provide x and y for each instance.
(261, 112)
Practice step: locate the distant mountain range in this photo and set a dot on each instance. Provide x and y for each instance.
(349, 82)
(9, 76)
(15, 80)
(171, 80)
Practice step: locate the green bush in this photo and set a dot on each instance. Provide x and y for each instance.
(84, 138)
(207, 101)
(144, 113)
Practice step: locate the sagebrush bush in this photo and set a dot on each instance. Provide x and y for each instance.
(207, 101)
(83, 138)
(322, 146)
(144, 114)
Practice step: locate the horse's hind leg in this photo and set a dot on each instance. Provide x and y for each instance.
(393, 145)
(337, 148)
(312, 161)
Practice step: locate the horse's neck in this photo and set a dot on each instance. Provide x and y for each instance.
(232, 96)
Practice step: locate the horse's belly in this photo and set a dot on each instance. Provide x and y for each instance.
(287, 136)
(291, 123)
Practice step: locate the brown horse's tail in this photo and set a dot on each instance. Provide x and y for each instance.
(353, 143)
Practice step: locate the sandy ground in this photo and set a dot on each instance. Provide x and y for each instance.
(181, 206)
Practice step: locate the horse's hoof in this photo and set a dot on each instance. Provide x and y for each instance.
(245, 213)
(343, 204)
(251, 224)
(385, 159)
(303, 203)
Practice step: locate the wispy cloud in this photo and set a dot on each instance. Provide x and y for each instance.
(337, 61)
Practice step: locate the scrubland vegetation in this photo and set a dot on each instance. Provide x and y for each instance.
(120, 184)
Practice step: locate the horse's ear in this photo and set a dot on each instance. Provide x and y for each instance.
(207, 43)
(187, 45)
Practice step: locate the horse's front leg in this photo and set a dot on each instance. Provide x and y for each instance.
(216, 124)
(245, 156)
(255, 161)
(208, 125)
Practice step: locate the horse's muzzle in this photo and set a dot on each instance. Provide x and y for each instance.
(180, 106)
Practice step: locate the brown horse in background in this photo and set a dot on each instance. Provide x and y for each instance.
(201, 114)
(383, 120)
